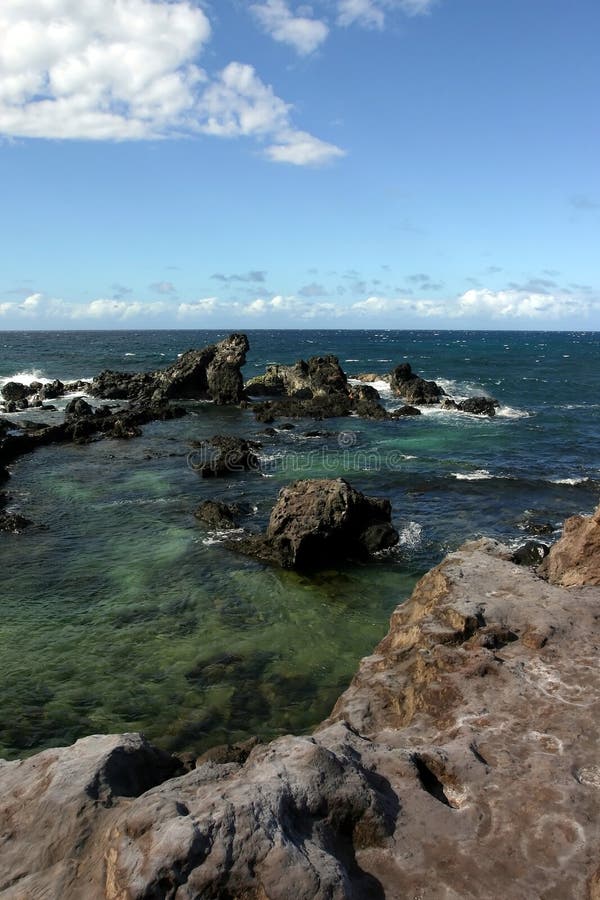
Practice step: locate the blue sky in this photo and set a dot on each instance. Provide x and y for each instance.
(344, 163)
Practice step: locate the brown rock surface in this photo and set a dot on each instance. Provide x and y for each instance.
(462, 762)
(575, 559)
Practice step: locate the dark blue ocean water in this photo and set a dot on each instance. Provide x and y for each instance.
(120, 612)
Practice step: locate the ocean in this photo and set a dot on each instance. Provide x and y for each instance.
(121, 612)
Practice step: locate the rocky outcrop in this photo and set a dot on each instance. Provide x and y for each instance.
(574, 560)
(217, 514)
(318, 522)
(317, 389)
(462, 761)
(13, 391)
(414, 389)
(212, 373)
(224, 454)
(477, 406)
(319, 376)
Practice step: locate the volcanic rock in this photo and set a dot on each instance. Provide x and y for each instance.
(319, 522)
(462, 761)
(224, 454)
(15, 391)
(530, 554)
(413, 388)
(216, 514)
(212, 373)
(52, 390)
(574, 559)
(78, 408)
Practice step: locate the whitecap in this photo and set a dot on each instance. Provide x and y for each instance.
(25, 378)
(568, 480)
(511, 412)
(410, 535)
(477, 475)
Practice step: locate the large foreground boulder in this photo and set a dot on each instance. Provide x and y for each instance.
(320, 522)
(212, 373)
(575, 558)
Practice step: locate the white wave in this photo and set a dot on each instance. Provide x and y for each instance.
(511, 412)
(568, 480)
(410, 535)
(382, 387)
(26, 378)
(352, 360)
(217, 537)
(477, 475)
(131, 354)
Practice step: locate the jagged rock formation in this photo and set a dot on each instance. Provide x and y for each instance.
(575, 559)
(212, 373)
(317, 389)
(413, 388)
(461, 762)
(318, 522)
(477, 406)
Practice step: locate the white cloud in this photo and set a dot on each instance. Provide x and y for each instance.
(239, 103)
(114, 309)
(88, 69)
(31, 304)
(367, 13)
(371, 13)
(302, 149)
(302, 33)
(513, 304)
(198, 308)
(127, 69)
(382, 305)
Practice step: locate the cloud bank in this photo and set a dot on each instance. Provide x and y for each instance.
(484, 306)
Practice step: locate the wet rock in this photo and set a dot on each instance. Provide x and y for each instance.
(52, 390)
(216, 514)
(405, 410)
(320, 407)
(479, 406)
(574, 559)
(531, 553)
(413, 388)
(78, 408)
(485, 680)
(320, 375)
(318, 522)
(13, 522)
(212, 373)
(15, 391)
(224, 454)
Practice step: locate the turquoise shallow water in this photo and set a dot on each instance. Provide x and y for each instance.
(120, 612)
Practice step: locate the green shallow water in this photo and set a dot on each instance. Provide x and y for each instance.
(122, 613)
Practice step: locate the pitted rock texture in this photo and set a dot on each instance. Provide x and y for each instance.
(575, 558)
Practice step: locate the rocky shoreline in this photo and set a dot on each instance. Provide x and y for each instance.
(461, 762)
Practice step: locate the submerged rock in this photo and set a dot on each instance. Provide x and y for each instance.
(223, 455)
(212, 373)
(319, 522)
(485, 682)
(216, 514)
